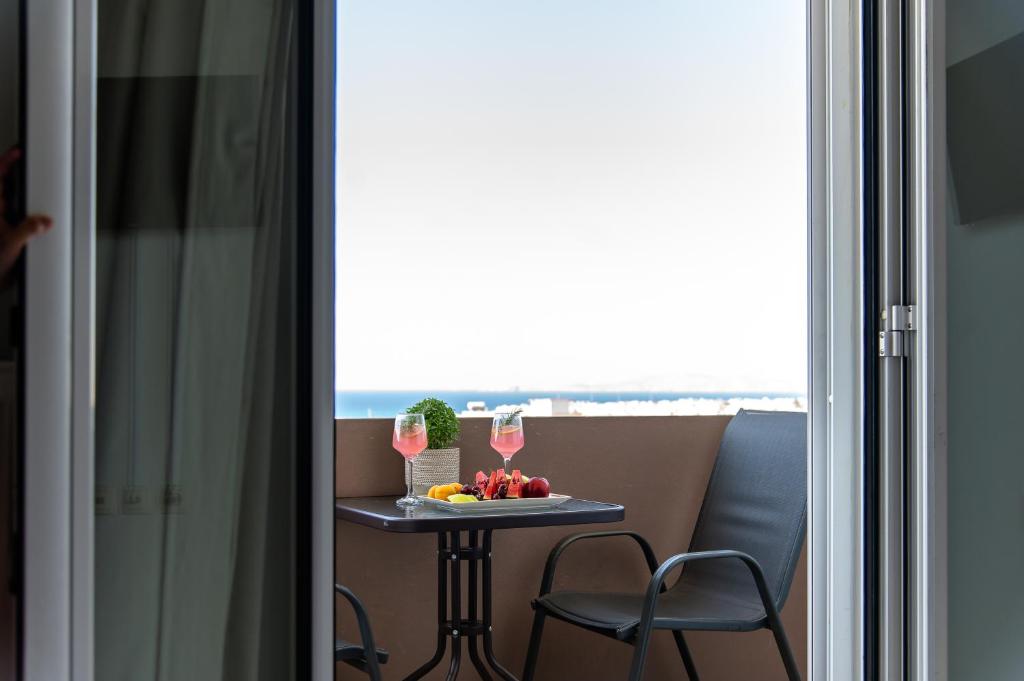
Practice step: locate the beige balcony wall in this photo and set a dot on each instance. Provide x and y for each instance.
(657, 467)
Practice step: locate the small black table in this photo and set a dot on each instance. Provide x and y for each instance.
(382, 514)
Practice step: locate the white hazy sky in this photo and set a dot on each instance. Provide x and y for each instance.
(558, 194)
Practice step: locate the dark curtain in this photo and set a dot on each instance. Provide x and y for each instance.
(196, 340)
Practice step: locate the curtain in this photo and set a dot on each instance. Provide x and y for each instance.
(196, 340)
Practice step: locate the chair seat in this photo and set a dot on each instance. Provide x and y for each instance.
(344, 651)
(618, 614)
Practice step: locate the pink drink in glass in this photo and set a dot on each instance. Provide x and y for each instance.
(507, 440)
(410, 441)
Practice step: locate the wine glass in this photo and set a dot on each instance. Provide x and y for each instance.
(507, 435)
(409, 438)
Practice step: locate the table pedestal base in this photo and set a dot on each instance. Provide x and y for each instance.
(450, 554)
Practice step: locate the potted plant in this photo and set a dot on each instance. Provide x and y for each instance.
(439, 462)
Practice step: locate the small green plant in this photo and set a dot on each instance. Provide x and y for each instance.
(442, 423)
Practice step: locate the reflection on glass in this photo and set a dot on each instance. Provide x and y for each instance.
(195, 333)
(984, 248)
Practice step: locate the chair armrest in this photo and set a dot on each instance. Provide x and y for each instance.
(365, 632)
(657, 583)
(560, 547)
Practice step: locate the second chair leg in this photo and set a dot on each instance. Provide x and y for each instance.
(684, 652)
(792, 670)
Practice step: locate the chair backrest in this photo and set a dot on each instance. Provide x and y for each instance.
(756, 502)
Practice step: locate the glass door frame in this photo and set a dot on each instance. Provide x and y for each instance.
(45, 606)
(837, 348)
(907, 596)
(843, 342)
(58, 599)
(926, 581)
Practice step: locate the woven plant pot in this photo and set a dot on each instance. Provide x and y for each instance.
(433, 467)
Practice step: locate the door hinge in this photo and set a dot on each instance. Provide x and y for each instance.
(897, 324)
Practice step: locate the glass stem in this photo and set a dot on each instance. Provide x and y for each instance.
(506, 467)
(408, 487)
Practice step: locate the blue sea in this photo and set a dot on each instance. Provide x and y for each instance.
(385, 404)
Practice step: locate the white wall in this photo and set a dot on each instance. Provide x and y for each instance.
(986, 384)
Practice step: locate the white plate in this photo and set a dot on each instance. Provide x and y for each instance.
(498, 504)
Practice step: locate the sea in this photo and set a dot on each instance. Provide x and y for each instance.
(386, 404)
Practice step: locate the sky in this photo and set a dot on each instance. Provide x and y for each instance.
(571, 194)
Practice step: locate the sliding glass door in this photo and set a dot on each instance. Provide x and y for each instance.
(184, 507)
(201, 455)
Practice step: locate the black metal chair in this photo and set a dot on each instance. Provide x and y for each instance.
(741, 559)
(354, 654)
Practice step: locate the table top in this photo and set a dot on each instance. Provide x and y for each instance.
(382, 514)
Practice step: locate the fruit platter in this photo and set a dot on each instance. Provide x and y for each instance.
(496, 491)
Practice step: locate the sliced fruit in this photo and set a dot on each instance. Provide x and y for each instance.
(444, 491)
(462, 498)
(515, 485)
(481, 479)
(492, 485)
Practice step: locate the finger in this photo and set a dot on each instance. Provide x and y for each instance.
(33, 225)
(8, 159)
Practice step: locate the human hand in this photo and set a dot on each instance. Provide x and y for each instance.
(14, 237)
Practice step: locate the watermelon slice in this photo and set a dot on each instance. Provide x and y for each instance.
(481, 478)
(515, 486)
(492, 485)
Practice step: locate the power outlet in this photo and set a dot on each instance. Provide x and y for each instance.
(106, 500)
(173, 499)
(137, 500)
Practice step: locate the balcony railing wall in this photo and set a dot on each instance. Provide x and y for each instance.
(656, 466)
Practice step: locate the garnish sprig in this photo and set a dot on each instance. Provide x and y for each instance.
(507, 419)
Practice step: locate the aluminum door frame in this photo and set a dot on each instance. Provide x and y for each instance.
(891, 400)
(927, 478)
(836, 329)
(46, 607)
(912, 605)
(322, 497)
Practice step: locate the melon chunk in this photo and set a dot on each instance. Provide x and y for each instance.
(515, 485)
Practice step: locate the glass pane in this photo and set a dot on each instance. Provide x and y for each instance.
(985, 247)
(196, 340)
(573, 188)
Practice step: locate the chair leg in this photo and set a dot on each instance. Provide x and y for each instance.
(684, 652)
(792, 671)
(373, 669)
(640, 645)
(534, 650)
